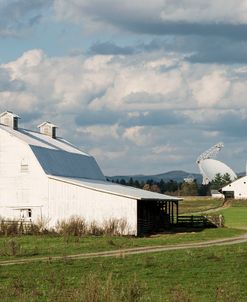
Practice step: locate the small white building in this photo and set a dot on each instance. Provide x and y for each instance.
(236, 189)
(45, 177)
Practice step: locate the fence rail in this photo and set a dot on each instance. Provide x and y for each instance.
(195, 221)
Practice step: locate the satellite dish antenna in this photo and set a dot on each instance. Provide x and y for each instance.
(209, 167)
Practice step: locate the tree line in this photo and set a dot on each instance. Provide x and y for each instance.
(173, 187)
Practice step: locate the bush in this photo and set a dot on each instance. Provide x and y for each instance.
(75, 226)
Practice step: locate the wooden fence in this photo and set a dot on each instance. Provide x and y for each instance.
(195, 221)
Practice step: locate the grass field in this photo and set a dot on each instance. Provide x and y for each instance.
(197, 275)
(209, 274)
(45, 245)
(236, 215)
(198, 204)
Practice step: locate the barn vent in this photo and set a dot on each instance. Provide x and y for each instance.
(49, 129)
(9, 119)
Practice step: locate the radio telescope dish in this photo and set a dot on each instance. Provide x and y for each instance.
(209, 167)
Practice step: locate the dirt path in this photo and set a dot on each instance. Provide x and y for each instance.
(132, 251)
(224, 206)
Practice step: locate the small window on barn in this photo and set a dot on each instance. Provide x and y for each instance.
(24, 166)
(29, 213)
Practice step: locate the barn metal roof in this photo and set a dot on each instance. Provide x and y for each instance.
(62, 161)
(57, 156)
(116, 189)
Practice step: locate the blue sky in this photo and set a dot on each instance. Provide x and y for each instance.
(144, 86)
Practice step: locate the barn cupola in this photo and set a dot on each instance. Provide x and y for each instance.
(9, 119)
(48, 128)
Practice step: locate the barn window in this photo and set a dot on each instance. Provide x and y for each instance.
(24, 166)
(29, 213)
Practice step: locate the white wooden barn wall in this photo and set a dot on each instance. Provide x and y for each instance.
(66, 200)
(23, 184)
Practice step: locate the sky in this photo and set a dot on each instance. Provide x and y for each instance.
(145, 86)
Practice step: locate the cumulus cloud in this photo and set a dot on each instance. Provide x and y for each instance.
(131, 109)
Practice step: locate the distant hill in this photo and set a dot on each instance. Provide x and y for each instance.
(171, 175)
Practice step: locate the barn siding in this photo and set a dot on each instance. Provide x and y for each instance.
(18, 188)
(66, 200)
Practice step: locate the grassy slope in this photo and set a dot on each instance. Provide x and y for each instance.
(209, 274)
(44, 245)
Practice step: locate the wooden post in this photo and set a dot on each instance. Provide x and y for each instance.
(177, 210)
(169, 211)
(172, 213)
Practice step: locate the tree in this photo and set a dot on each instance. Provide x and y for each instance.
(220, 181)
(189, 189)
(130, 182)
(123, 182)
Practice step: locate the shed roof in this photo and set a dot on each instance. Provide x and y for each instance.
(115, 189)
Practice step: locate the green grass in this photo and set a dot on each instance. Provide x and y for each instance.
(44, 245)
(198, 204)
(235, 217)
(208, 274)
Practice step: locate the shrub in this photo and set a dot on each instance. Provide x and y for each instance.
(75, 226)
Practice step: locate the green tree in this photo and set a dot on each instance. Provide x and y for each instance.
(220, 181)
(189, 189)
(130, 182)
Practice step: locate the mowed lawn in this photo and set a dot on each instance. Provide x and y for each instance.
(236, 215)
(196, 275)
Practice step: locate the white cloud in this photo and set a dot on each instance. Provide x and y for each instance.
(137, 135)
(211, 89)
(163, 149)
(130, 89)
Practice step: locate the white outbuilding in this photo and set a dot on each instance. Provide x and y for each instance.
(43, 176)
(236, 189)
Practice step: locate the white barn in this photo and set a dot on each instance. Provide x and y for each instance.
(236, 189)
(43, 176)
